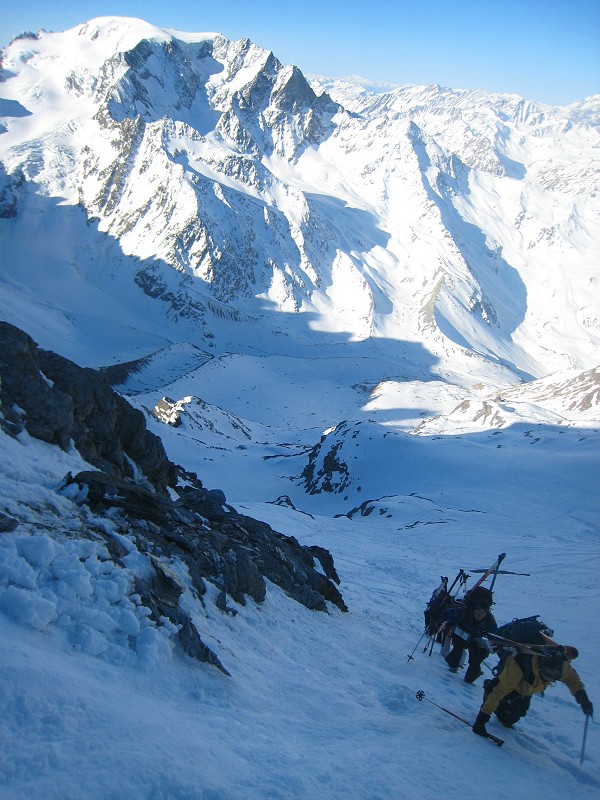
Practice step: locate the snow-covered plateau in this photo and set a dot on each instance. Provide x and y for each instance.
(369, 321)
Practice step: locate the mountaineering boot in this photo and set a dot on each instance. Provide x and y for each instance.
(472, 673)
(453, 659)
(479, 725)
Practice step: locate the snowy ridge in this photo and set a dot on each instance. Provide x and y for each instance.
(418, 214)
(370, 320)
(570, 399)
(157, 369)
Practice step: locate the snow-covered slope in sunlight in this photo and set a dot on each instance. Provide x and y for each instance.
(203, 174)
(369, 319)
(97, 701)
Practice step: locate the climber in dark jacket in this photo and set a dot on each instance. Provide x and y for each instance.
(470, 621)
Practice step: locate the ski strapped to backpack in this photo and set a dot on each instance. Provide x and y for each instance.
(543, 646)
(503, 572)
(438, 600)
(518, 636)
(526, 630)
(548, 650)
(493, 569)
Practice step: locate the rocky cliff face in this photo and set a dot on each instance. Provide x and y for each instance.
(63, 404)
(231, 186)
(164, 514)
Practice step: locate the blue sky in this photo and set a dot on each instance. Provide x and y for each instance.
(544, 50)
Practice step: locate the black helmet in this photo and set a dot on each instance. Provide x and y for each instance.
(479, 596)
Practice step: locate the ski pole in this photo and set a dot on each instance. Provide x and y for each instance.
(431, 643)
(421, 696)
(585, 727)
(458, 577)
(410, 657)
(432, 638)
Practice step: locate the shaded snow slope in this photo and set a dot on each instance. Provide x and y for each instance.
(318, 705)
(206, 175)
(373, 322)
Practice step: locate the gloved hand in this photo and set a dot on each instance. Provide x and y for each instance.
(480, 722)
(434, 625)
(585, 702)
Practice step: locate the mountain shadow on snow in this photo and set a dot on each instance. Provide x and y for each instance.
(167, 513)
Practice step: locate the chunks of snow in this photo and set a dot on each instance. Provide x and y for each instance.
(74, 587)
(27, 607)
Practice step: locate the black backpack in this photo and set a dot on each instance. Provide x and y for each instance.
(527, 630)
(439, 600)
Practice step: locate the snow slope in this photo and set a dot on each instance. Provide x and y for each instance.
(318, 705)
(205, 174)
(377, 324)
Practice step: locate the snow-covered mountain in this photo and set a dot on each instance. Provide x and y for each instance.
(204, 173)
(372, 319)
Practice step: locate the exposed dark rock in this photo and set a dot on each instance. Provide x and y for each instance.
(234, 552)
(59, 402)
(10, 184)
(161, 594)
(326, 471)
(107, 491)
(7, 523)
(326, 560)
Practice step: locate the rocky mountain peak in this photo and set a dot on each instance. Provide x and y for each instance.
(229, 182)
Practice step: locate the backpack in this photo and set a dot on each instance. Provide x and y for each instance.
(527, 630)
(439, 600)
(434, 605)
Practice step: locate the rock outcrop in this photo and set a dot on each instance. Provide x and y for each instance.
(166, 512)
